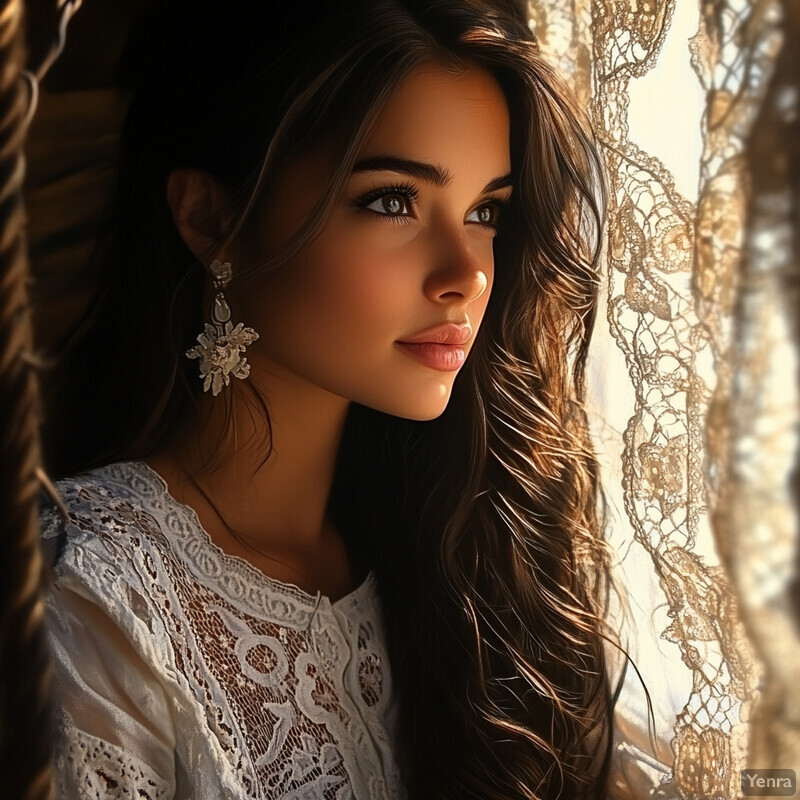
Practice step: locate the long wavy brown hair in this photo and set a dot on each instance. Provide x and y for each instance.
(482, 525)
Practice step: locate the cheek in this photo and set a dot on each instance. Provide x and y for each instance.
(352, 282)
(379, 264)
(336, 290)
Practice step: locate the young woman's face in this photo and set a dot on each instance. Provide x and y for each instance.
(384, 305)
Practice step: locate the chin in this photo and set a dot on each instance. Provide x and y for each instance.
(424, 416)
(421, 410)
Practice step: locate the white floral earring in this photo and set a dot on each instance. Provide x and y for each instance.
(221, 345)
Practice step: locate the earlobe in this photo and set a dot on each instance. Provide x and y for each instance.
(200, 209)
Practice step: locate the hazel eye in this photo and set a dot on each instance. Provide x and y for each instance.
(392, 205)
(393, 202)
(487, 215)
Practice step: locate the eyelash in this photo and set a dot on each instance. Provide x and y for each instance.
(409, 193)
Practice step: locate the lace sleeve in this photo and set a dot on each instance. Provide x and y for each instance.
(115, 736)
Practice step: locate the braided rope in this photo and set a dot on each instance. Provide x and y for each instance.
(24, 707)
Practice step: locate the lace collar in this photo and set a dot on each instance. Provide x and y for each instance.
(236, 578)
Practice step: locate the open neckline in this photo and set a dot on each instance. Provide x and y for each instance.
(242, 564)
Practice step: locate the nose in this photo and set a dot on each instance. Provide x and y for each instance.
(458, 272)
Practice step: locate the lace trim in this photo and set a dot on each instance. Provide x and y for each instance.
(232, 577)
(88, 767)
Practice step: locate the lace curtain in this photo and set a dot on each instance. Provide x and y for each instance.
(694, 376)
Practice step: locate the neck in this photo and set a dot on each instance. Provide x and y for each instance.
(278, 506)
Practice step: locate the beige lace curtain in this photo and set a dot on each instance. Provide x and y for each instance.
(694, 375)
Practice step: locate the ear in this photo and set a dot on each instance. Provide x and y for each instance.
(200, 209)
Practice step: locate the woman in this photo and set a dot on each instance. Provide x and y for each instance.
(359, 556)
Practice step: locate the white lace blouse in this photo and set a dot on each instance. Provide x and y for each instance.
(183, 672)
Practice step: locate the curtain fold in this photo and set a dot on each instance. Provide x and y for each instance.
(758, 526)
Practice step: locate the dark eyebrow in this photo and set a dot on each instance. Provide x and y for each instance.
(427, 172)
(418, 169)
(499, 183)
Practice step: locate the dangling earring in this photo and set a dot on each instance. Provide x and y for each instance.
(221, 346)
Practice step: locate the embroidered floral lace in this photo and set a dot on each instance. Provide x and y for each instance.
(183, 672)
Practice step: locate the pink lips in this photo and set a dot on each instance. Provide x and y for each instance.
(440, 347)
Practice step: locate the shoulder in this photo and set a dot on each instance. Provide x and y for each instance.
(110, 655)
(119, 491)
(103, 507)
(106, 547)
